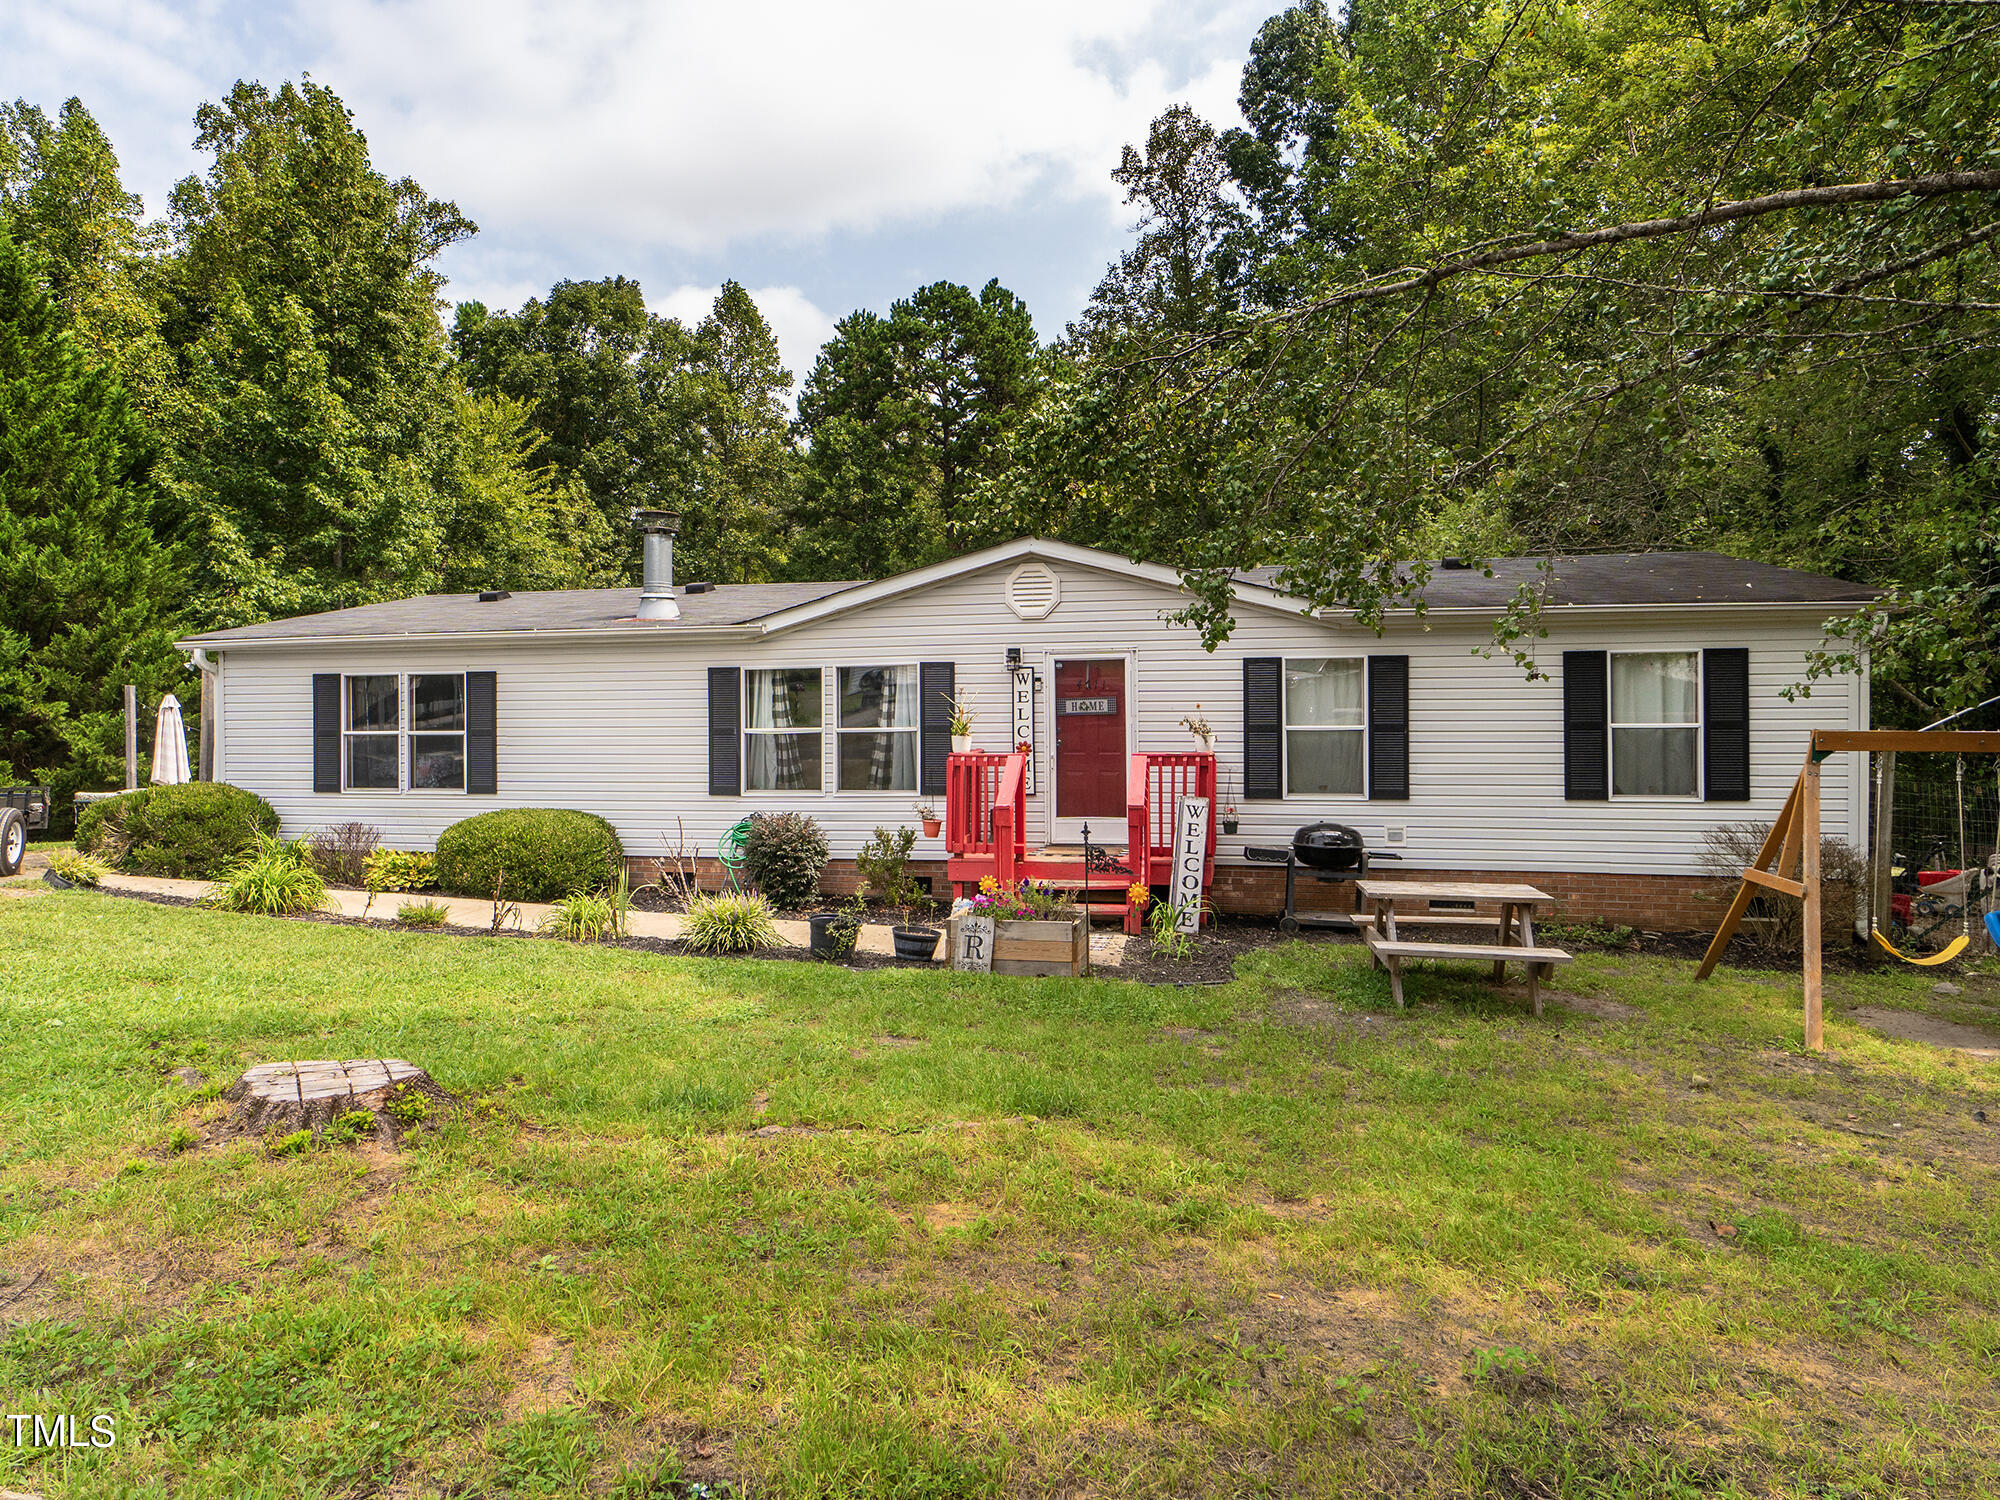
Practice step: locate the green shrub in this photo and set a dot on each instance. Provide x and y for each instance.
(729, 922)
(544, 853)
(275, 878)
(581, 916)
(407, 1109)
(784, 853)
(196, 830)
(882, 863)
(423, 914)
(77, 869)
(399, 870)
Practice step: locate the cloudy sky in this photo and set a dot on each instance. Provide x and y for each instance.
(828, 156)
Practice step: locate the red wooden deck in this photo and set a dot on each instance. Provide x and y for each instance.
(986, 818)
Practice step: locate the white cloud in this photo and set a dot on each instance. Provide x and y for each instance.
(798, 325)
(697, 124)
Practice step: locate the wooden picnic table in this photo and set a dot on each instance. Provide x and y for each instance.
(1514, 928)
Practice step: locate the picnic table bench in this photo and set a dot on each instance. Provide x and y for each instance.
(1514, 928)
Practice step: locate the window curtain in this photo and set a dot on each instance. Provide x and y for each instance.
(1654, 688)
(1323, 692)
(896, 754)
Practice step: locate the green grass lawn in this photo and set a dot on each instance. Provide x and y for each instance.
(1009, 1237)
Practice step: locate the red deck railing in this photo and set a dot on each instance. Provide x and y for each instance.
(984, 808)
(1155, 786)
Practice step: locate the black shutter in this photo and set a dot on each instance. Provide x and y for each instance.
(725, 732)
(482, 734)
(1586, 731)
(1263, 727)
(1725, 724)
(326, 731)
(1389, 727)
(937, 685)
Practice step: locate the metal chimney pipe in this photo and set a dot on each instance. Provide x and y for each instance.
(656, 595)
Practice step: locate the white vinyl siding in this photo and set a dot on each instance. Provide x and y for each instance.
(620, 727)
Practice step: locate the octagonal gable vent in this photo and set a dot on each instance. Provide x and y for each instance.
(1033, 591)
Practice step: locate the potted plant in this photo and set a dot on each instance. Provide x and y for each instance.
(915, 939)
(1229, 819)
(834, 932)
(962, 718)
(928, 816)
(1201, 729)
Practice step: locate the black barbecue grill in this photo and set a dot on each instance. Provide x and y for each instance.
(1328, 852)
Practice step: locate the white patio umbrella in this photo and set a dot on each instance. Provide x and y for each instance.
(170, 746)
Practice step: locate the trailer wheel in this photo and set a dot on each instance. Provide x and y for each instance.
(13, 840)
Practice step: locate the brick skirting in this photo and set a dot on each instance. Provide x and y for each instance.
(1657, 903)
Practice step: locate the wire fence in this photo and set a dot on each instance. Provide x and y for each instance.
(1940, 820)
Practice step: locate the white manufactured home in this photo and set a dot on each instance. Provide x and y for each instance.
(677, 710)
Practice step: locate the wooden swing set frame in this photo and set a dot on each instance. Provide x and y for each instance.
(1795, 838)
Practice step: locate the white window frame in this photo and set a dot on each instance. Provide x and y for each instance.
(1612, 725)
(349, 733)
(743, 728)
(916, 731)
(1286, 727)
(403, 733)
(411, 732)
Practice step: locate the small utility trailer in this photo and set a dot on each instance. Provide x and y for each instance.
(21, 808)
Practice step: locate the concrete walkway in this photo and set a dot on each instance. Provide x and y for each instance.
(1107, 949)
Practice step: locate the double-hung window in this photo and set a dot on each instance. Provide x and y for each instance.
(878, 729)
(781, 729)
(1655, 723)
(373, 734)
(381, 742)
(1325, 726)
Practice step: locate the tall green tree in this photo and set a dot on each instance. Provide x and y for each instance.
(87, 592)
(748, 469)
(1526, 274)
(61, 197)
(641, 411)
(906, 419)
(315, 401)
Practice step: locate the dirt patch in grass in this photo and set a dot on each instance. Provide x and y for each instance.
(1915, 1026)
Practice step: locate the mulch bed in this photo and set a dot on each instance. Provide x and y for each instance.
(1212, 962)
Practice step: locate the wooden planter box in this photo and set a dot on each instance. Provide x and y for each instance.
(1041, 948)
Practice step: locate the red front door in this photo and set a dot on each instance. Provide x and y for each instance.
(1090, 741)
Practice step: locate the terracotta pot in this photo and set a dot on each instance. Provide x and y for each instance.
(931, 827)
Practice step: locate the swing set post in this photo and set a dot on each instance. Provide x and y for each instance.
(1796, 834)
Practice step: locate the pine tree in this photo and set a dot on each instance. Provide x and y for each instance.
(87, 590)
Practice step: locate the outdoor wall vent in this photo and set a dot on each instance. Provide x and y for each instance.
(494, 596)
(700, 588)
(1396, 835)
(1033, 591)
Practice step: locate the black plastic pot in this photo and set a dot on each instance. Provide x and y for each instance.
(49, 877)
(1229, 825)
(915, 945)
(833, 934)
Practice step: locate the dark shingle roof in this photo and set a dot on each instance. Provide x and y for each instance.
(550, 610)
(1626, 578)
(1619, 578)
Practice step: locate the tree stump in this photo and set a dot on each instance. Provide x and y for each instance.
(286, 1097)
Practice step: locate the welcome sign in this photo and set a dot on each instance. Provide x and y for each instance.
(1024, 719)
(1190, 854)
